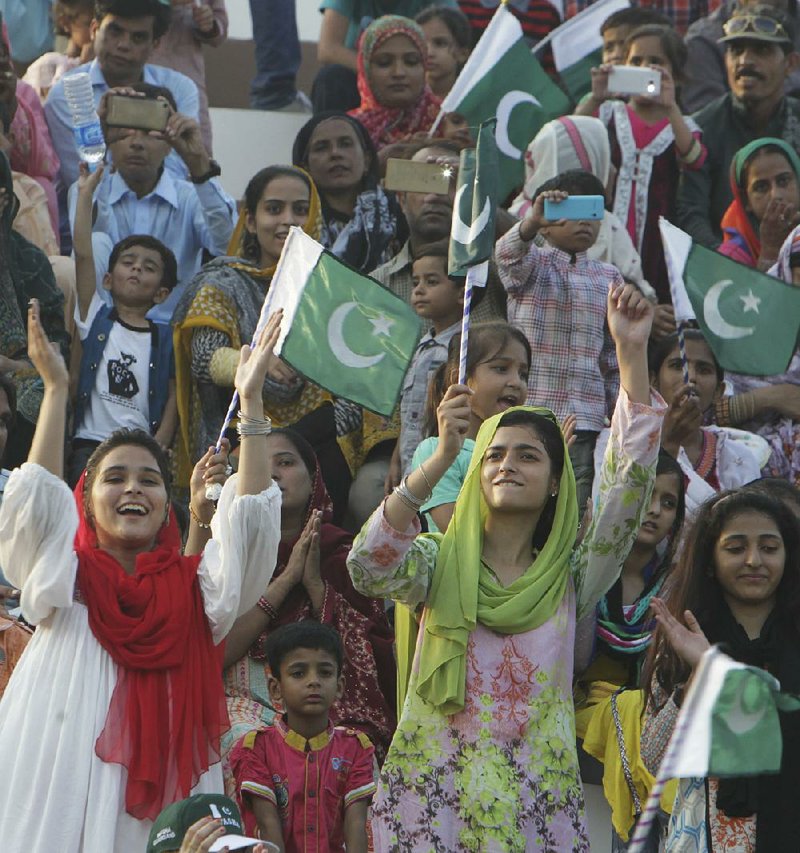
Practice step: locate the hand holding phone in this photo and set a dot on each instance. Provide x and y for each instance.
(575, 207)
(634, 80)
(138, 113)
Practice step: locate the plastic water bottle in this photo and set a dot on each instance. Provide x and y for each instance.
(85, 123)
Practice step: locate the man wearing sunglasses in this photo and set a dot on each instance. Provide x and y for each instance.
(759, 55)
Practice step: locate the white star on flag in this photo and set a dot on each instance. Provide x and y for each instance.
(381, 325)
(750, 301)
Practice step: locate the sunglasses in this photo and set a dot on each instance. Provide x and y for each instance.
(755, 25)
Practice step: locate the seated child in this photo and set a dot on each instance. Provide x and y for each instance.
(73, 19)
(140, 196)
(439, 300)
(127, 372)
(302, 783)
(557, 296)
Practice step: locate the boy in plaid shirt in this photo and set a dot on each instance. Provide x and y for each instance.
(557, 296)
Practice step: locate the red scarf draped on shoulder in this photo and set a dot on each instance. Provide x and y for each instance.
(167, 712)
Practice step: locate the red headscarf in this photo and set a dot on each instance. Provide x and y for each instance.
(168, 710)
(391, 124)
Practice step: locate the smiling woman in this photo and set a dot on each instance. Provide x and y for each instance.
(219, 312)
(737, 583)
(117, 703)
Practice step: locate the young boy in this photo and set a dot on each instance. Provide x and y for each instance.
(557, 296)
(620, 24)
(127, 370)
(303, 783)
(439, 300)
(142, 197)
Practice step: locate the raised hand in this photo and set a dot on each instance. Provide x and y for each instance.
(568, 428)
(630, 315)
(688, 641)
(453, 418)
(89, 181)
(212, 468)
(535, 218)
(44, 354)
(682, 420)
(253, 364)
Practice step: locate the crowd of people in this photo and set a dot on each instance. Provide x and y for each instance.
(335, 630)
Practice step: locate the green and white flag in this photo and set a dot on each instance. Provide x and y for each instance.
(340, 329)
(503, 79)
(472, 230)
(730, 725)
(750, 320)
(578, 45)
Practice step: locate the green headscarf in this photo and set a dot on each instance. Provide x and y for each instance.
(463, 592)
(746, 151)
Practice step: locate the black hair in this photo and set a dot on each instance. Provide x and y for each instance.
(125, 438)
(694, 586)
(574, 182)
(634, 16)
(169, 277)
(413, 148)
(152, 92)
(454, 19)
(659, 350)
(67, 11)
(672, 44)
(441, 249)
(308, 634)
(777, 487)
(668, 465)
(549, 433)
(252, 196)
(160, 12)
(485, 341)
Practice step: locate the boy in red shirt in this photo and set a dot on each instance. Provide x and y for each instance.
(302, 783)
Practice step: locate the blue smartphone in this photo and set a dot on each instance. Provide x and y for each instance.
(575, 207)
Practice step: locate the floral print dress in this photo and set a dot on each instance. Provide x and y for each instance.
(502, 774)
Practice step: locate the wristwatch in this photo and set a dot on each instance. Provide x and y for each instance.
(214, 171)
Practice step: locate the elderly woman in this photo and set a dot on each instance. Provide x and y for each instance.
(361, 223)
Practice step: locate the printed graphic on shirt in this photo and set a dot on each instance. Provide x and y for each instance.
(121, 381)
(281, 794)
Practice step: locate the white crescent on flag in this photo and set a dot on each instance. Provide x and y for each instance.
(504, 109)
(714, 319)
(460, 231)
(337, 343)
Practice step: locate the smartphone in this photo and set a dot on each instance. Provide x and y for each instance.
(413, 177)
(576, 207)
(138, 113)
(633, 80)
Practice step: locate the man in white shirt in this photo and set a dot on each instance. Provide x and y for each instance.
(142, 197)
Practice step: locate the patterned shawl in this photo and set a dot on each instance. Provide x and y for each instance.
(391, 124)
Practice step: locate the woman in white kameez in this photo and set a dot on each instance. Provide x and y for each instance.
(116, 707)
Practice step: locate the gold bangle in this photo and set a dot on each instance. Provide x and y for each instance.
(198, 521)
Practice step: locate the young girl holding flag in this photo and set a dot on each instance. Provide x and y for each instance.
(484, 755)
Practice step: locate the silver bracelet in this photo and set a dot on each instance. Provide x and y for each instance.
(408, 497)
(421, 470)
(252, 426)
(414, 507)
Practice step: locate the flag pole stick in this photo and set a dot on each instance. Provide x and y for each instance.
(682, 350)
(462, 356)
(665, 770)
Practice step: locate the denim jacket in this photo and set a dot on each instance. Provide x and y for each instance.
(162, 365)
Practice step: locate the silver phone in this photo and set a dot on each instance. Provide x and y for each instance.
(634, 80)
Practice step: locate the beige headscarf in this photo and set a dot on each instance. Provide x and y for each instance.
(581, 142)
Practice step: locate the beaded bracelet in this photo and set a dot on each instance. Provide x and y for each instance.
(197, 520)
(266, 605)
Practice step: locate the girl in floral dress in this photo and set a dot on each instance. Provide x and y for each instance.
(484, 756)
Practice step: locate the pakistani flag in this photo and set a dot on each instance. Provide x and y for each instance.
(340, 329)
(578, 46)
(749, 319)
(472, 231)
(503, 79)
(731, 725)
